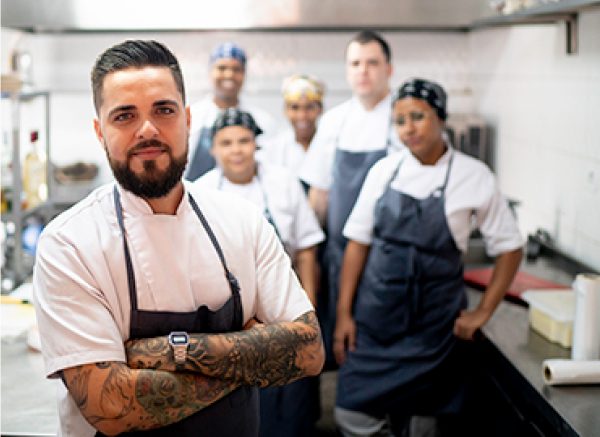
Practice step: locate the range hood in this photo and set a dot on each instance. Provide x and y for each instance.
(178, 15)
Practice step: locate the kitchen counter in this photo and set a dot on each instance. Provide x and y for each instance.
(28, 399)
(514, 354)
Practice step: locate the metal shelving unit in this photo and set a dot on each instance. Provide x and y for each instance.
(18, 264)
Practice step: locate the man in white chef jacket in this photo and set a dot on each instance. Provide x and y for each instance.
(350, 138)
(148, 291)
(228, 72)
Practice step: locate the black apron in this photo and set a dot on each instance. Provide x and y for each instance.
(237, 413)
(349, 172)
(409, 296)
(202, 161)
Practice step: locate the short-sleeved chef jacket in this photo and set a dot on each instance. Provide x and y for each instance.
(350, 127)
(472, 191)
(287, 203)
(80, 281)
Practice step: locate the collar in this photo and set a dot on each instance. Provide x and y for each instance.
(384, 105)
(444, 159)
(137, 206)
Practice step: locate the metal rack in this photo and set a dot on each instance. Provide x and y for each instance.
(18, 265)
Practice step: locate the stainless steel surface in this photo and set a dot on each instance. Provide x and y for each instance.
(509, 330)
(28, 398)
(83, 15)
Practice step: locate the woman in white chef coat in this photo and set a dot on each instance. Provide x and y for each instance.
(401, 313)
(293, 409)
(303, 99)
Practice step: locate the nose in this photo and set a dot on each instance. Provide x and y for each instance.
(228, 72)
(147, 130)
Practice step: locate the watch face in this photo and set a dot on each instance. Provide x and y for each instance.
(178, 338)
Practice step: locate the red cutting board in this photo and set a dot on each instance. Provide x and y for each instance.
(480, 278)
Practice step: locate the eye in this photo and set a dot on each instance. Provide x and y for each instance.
(294, 107)
(165, 110)
(400, 121)
(416, 116)
(122, 116)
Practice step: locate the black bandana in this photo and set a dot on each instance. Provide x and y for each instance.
(426, 90)
(235, 117)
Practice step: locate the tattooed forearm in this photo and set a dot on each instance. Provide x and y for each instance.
(115, 398)
(264, 355)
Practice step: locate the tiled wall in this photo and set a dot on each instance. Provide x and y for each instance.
(545, 107)
(543, 104)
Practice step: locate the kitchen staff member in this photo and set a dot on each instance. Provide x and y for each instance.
(303, 100)
(401, 311)
(351, 137)
(143, 288)
(228, 71)
(291, 410)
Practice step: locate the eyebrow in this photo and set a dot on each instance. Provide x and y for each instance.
(165, 102)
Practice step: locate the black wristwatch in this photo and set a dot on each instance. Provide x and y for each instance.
(179, 342)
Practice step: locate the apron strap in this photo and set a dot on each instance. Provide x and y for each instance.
(443, 187)
(267, 211)
(130, 275)
(235, 288)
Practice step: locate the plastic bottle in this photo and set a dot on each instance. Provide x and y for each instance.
(35, 187)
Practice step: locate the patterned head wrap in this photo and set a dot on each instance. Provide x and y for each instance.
(235, 117)
(300, 85)
(228, 50)
(426, 90)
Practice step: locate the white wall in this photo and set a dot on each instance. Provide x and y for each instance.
(545, 106)
(542, 102)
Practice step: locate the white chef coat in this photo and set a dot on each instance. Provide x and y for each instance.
(295, 220)
(348, 126)
(80, 281)
(205, 112)
(471, 192)
(284, 151)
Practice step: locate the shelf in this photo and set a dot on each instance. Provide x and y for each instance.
(566, 11)
(546, 12)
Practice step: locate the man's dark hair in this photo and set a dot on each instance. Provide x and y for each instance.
(367, 36)
(137, 54)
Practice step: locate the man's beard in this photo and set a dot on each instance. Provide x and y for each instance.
(152, 183)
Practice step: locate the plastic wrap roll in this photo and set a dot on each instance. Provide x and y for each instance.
(563, 372)
(586, 328)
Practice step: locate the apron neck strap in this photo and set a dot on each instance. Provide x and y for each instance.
(129, 265)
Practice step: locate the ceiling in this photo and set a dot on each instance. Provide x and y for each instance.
(177, 15)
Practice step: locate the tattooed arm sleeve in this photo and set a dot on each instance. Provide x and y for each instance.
(264, 355)
(114, 398)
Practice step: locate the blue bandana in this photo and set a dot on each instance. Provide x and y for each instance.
(228, 50)
(426, 90)
(235, 117)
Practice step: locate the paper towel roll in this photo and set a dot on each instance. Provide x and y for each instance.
(564, 372)
(586, 327)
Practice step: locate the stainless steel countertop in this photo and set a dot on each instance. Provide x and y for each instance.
(509, 331)
(29, 405)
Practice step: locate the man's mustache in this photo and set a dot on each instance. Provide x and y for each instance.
(146, 144)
